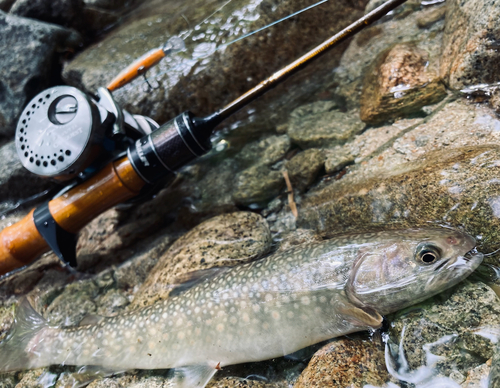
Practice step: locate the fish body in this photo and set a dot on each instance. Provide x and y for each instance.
(260, 310)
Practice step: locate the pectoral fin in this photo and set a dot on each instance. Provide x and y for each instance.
(192, 376)
(362, 317)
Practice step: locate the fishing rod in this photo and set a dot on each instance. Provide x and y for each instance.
(153, 153)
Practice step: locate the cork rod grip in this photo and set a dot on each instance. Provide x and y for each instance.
(21, 243)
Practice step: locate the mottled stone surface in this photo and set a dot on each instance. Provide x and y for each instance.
(337, 159)
(471, 37)
(266, 151)
(229, 382)
(324, 127)
(257, 185)
(304, 168)
(24, 72)
(221, 241)
(346, 362)
(401, 27)
(458, 326)
(399, 83)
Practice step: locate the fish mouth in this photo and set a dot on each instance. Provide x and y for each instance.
(454, 270)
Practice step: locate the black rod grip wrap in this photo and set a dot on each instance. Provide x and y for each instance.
(169, 148)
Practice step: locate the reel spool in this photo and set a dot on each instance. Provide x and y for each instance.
(62, 131)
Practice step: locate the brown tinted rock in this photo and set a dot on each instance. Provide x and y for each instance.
(224, 240)
(346, 362)
(304, 168)
(317, 125)
(400, 83)
(377, 39)
(257, 185)
(234, 382)
(470, 45)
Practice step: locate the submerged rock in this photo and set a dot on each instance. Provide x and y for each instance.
(320, 126)
(400, 83)
(257, 185)
(266, 151)
(25, 72)
(457, 188)
(470, 45)
(221, 241)
(452, 332)
(305, 167)
(209, 75)
(346, 362)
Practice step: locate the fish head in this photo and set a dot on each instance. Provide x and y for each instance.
(407, 267)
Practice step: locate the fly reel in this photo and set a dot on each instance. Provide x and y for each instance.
(62, 131)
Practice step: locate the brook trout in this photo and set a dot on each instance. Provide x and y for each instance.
(257, 311)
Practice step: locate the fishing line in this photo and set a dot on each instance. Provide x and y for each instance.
(224, 45)
(274, 23)
(188, 32)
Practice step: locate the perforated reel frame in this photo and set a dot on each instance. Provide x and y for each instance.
(59, 133)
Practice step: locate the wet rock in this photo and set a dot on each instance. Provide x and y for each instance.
(470, 56)
(337, 159)
(267, 151)
(5, 5)
(304, 168)
(224, 240)
(346, 362)
(232, 382)
(458, 326)
(400, 83)
(377, 39)
(478, 377)
(24, 72)
(106, 4)
(71, 306)
(116, 235)
(322, 127)
(431, 16)
(456, 187)
(256, 185)
(133, 272)
(7, 381)
(97, 20)
(17, 183)
(62, 12)
(112, 303)
(36, 378)
(204, 79)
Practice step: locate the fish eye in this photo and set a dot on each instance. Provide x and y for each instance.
(427, 253)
